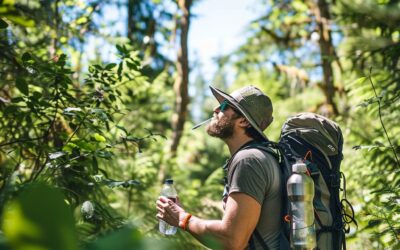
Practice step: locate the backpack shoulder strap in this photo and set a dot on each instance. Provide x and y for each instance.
(275, 150)
(259, 238)
(266, 146)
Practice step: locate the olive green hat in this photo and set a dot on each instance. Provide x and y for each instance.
(252, 103)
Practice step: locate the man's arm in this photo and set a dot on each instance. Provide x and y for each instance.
(233, 231)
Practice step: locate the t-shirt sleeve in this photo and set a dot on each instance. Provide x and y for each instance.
(249, 176)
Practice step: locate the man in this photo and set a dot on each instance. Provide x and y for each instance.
(252, 198)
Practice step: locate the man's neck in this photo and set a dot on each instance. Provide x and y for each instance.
(235, 143)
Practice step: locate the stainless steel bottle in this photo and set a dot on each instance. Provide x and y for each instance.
(300, 188)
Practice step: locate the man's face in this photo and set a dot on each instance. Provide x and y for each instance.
(223, 123)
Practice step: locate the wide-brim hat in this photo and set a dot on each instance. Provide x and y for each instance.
(255, 106)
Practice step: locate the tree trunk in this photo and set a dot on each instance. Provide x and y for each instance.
(182, 80)
(131, 6)
(54, 40)
(327, 52)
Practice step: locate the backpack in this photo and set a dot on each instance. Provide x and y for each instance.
(319, 142)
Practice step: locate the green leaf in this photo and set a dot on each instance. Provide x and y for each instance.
(112, 97)
(17, 99)
(18, 19)
(357, 82)
(62, 60)
(132, 66)
(39, 218)
(83, 145)
(373, 223)
(11, 109)
(104, 154)
(110, 66)
(122, 128)
(367, 147)
(69, 147)
(368, 102)
(119, 48)
(122, 50)
(100, 114)
(95, 164)
(3, 24)
(99, 137)
(26, 57)
(119, 71)
(122, 239)
(22, 85)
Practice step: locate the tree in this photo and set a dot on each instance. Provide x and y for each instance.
(298, 35)
(182, 79)
(373, 55)
(147, 31)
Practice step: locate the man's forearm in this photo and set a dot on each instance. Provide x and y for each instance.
(232, 232)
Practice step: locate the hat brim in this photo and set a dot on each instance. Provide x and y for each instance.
(221, 96)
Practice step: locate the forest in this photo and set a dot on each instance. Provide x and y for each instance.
(97, 110)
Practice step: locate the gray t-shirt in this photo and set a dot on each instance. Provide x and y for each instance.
(256, 173)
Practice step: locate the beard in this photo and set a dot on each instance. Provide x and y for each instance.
(220, 128)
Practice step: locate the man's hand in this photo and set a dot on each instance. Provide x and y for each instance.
(233, 231)
(169, 211)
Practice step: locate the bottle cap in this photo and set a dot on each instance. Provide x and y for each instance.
(169, 181)
(299, 167)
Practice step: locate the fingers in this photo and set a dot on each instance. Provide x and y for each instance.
(163, 199)
(162, 204)
(168, 210)
(161, 210)
(165, 208)
(178, 201)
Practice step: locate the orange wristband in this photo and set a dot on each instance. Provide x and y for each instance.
(184, 223)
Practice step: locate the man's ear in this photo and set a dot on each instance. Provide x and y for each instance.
(243, 122)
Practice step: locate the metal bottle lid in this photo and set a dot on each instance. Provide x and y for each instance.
(299, 167)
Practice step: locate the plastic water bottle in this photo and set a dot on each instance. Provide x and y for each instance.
(300, 188)
(168, 191)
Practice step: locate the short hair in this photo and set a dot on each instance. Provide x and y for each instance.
(250, 130)
(253, 133)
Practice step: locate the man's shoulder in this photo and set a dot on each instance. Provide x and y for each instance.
(259, 154)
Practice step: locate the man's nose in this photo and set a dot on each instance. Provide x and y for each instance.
(217, 109)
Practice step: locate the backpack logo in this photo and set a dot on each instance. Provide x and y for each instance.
(332, 148)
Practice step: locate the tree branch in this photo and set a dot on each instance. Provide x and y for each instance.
(381, 120)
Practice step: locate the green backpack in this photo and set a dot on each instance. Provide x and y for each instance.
(319, 142)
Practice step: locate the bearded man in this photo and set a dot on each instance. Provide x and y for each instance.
(253, 192)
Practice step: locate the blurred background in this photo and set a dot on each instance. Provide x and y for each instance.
(98, 98)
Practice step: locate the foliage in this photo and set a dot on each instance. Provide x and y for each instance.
(57, 133)
(373, 49)
(95, 137)
(380, 164)
(26, 227)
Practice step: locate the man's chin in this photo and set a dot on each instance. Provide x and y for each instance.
(219, 129)
(219, 133)
(212, 130)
